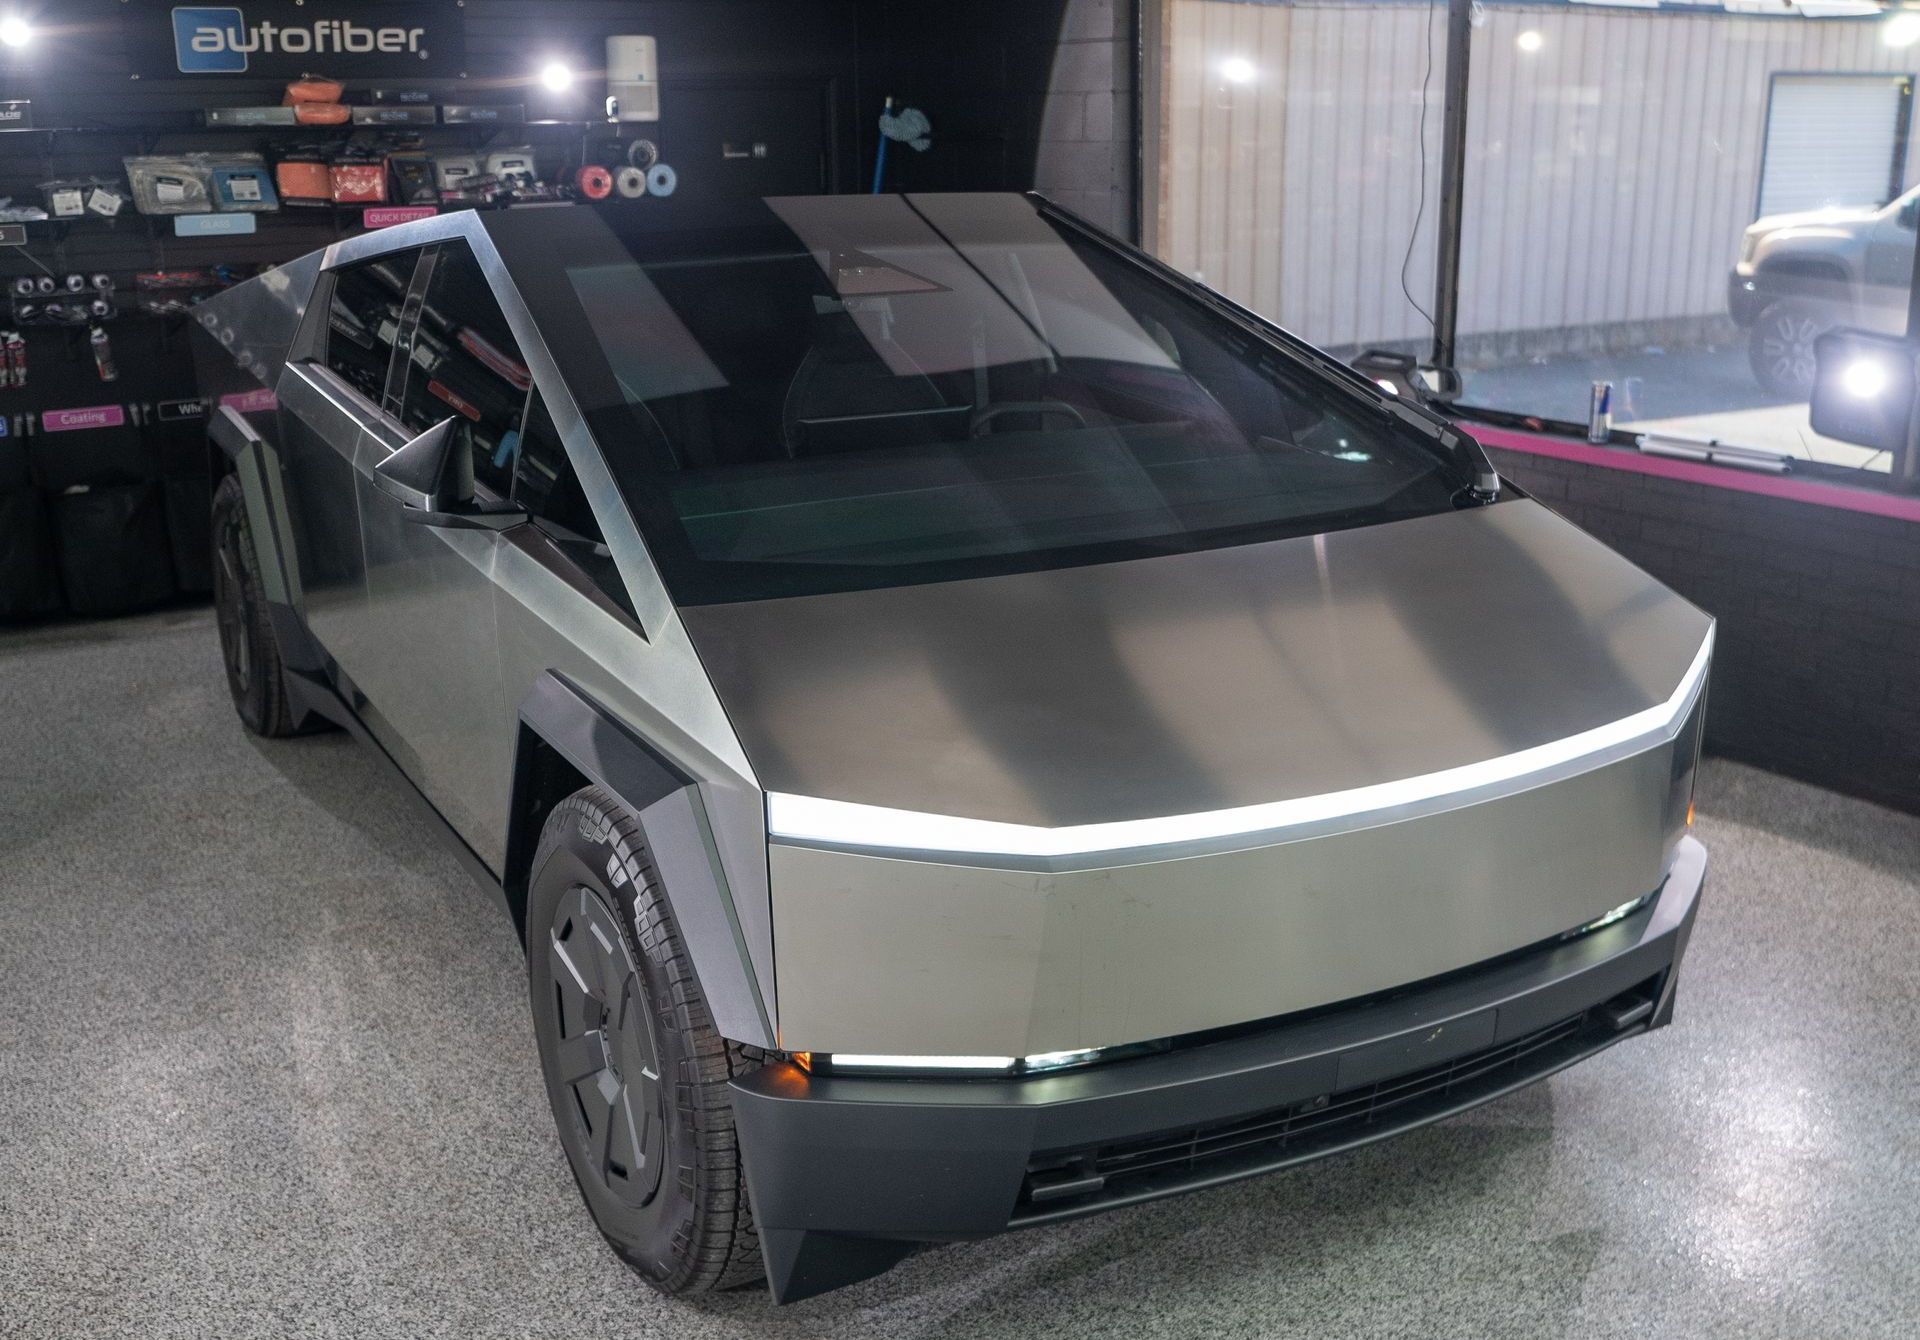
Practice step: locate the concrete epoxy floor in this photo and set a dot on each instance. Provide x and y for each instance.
(266, 1070)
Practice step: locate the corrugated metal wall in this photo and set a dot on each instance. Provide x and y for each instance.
(1609, 174)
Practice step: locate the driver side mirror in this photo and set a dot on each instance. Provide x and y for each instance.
(1909, 215)
(432, 477)
(432, 473)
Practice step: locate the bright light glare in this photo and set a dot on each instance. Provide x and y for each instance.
(557, 76)
(1386, 386)
(1238, 70)
(812, 819)
(1864, 378)
(14, 31)
(1902, 30)
(856, 1061)
(1054, 1060)
(1620, 913)
(1530, 41)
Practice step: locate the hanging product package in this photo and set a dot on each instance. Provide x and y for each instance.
(359, 182)
(241, 183)
(178, 184)
(303, 180)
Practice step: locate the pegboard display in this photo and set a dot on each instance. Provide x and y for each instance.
(160, 186)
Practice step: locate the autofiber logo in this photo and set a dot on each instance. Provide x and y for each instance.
(219, 40)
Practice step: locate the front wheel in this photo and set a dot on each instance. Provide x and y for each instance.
(1780, 345)
(636, 1075)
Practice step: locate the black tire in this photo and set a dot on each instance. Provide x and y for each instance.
(1780, 345)
(635, 1072)
(255, 675)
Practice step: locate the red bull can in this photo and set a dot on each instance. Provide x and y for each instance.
(1600, 413)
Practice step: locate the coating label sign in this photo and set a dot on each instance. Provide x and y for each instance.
(257, 401)
(386, 216)
(286, 38)
(69, 420)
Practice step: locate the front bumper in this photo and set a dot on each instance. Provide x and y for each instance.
(846, 1173)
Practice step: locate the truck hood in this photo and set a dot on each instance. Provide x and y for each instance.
(1202, 681)
(1814, 218)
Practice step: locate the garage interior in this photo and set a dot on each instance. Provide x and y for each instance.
(267, 1067)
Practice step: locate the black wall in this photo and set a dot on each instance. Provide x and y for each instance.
(1817, 664)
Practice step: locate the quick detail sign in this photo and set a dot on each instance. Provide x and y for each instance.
(281, 39)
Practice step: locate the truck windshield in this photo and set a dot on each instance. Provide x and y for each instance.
(818, 394)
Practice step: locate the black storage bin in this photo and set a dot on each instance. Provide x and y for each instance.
(190, 528)
(113, 548)
(28, 587)
(100, 451)
(15, 473)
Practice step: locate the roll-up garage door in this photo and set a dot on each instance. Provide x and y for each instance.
(1834, 140)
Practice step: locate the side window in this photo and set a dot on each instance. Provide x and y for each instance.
(544, 483)
(363, 320)
(464, 365)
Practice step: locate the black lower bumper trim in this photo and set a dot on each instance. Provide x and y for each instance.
(844, 1169)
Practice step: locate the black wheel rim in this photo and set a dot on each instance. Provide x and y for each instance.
(604, 1053)
(227, 589)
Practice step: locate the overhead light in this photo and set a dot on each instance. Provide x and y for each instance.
(1902, 30)
(1239, 70)
(851, 824)
(1058, 1060)
(1530, 41)
(556, 76)
(15, 31)
(1865, 378)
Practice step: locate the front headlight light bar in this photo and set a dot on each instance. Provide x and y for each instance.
(961, 1067)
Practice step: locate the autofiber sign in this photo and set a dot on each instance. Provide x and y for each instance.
(279, 39)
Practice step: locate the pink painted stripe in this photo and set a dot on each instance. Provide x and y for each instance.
(1694, 472)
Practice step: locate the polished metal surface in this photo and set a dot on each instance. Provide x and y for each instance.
(651, 675)
(1129, 691)
(445, 631)
(880, 954)
(1201, 681)
(321, 422)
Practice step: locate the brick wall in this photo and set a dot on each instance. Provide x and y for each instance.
(1817, 668)
(1085, 159)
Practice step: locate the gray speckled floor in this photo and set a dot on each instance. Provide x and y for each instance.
(266, 1070)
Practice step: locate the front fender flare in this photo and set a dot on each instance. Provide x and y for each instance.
(673, 817)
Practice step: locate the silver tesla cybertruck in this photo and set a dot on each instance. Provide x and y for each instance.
(972, 728)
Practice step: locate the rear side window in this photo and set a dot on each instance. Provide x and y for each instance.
(464, 365)
(363, 320)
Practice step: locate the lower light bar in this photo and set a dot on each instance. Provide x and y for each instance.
(844, 823)
(857, 1061)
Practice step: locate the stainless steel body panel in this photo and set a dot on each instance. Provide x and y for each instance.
(425, 652)
(880, 954)
(1201, 681)
(548, 623)
(648, 675)
(321, 425)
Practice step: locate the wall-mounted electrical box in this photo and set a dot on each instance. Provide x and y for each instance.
(633, 78)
